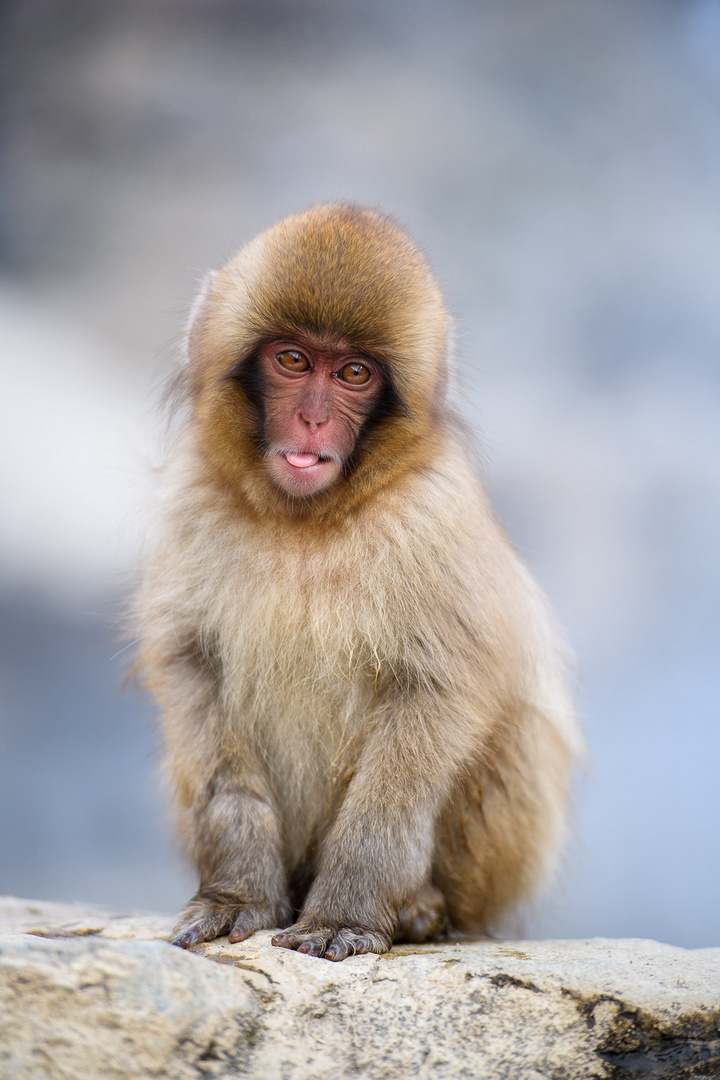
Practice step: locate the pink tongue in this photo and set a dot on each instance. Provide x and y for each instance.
(302, 461)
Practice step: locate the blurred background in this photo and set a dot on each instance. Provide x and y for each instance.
(559, 162)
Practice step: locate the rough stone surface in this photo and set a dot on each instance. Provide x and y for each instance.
(89, 993)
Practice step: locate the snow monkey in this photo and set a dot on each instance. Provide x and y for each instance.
(367, 728)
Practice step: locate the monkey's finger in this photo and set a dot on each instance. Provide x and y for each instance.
(365, 945)
(246, 923)
(288, 940)
(186, 935)
(195, 936)
(339, 950)
(297, 938)
(314, 946)
(350, 942)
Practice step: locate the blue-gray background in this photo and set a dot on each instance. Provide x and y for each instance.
(560, 163)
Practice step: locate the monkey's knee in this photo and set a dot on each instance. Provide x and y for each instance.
(424, 917)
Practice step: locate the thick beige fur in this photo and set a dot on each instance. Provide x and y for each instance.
(364, 699)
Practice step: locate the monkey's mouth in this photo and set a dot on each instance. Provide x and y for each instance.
(309, 463)
(303, 461)
(303, 473)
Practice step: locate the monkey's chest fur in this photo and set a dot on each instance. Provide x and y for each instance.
(298, 679)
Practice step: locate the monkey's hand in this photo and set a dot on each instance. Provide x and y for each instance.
(214, 911)
(334, 943)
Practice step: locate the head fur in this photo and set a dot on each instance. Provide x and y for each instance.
(340, 273)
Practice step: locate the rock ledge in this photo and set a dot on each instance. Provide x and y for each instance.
(86, 992)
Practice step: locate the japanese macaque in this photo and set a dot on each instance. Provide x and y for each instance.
(367, 727)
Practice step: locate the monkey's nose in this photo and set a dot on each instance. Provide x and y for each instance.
(314, 420)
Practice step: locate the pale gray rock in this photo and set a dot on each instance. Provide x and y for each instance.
(90, 993)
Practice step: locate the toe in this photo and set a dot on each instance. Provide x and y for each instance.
(314, 946)
(338, 950)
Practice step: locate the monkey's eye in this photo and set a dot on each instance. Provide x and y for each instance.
(292, 360)
(354, 373)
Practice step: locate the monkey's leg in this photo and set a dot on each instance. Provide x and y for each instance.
(242, 880)
(376, 856)
(500, 836)
(226, 811)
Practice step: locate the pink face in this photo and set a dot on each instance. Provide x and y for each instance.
(317, 398)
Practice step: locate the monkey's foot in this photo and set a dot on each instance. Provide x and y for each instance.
(424, 917)
(213, 912)
(332, 943)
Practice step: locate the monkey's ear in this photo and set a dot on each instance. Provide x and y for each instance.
(198, 316)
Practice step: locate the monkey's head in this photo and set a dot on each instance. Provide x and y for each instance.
(318, 361)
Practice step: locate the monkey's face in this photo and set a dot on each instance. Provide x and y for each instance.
(317, 397)
(317, 363)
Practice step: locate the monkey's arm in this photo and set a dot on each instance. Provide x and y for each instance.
(227, 815)
(377, 854)
(234, 837)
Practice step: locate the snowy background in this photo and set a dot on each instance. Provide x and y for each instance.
(559, 162)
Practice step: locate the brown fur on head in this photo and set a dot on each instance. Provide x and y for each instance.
(337, 272)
